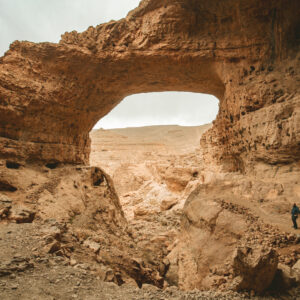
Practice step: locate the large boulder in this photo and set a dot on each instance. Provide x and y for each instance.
(286, 278)
(210, 233)
(254, 269)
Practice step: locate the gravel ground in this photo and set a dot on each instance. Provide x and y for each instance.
(27, 274)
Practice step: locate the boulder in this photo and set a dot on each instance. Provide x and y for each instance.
(108, 275)
(168, 204)
(92, 245)
(254, 269)
(52, 247)
(286, 277)
(171, 276)
(140, 212)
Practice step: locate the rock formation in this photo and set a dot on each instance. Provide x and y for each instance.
(84, 214)
(255, 269)
(51, 95)
(161, 171)
(239, 184)
(222, 212)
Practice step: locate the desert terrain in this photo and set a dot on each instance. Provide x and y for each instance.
(116, 232)
(161, 212)
(151, 165)
(152, 199)
(160, 179)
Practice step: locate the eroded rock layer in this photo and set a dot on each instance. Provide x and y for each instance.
(245, 53)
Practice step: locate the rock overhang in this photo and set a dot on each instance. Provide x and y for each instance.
(51, 95)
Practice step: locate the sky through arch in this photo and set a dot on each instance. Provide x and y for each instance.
(164, 108)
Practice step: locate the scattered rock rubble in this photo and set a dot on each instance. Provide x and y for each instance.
(52, 276)
(219, 242)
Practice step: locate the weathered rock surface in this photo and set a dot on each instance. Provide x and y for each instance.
(51, 95)
(222, 214)
(286, 277)
(52, 276)
(225, 211)
(5, 206)
(159, 174)
(255, 268)
(84, 220)
(22, 214)
(296, 266)
(79, 218)
(243, 53)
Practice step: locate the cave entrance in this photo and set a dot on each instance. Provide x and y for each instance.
(148, 144)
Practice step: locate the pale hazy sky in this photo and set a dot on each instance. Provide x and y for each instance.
(45, 20)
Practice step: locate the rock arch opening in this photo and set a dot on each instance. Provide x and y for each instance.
(152, 166)
(52, 95)
(164, 108)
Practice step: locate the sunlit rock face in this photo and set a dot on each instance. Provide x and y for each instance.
(245, 53)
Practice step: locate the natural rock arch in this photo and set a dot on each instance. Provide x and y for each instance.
(244, 53)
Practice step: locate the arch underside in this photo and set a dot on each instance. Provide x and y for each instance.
(51, 95)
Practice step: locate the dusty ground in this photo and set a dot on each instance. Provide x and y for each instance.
(156, 168)
(26, 275)
(63, 234)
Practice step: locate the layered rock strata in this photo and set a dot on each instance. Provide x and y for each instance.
(245, 53)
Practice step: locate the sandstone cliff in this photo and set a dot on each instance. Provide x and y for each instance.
(234, 222)
(245, 53)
